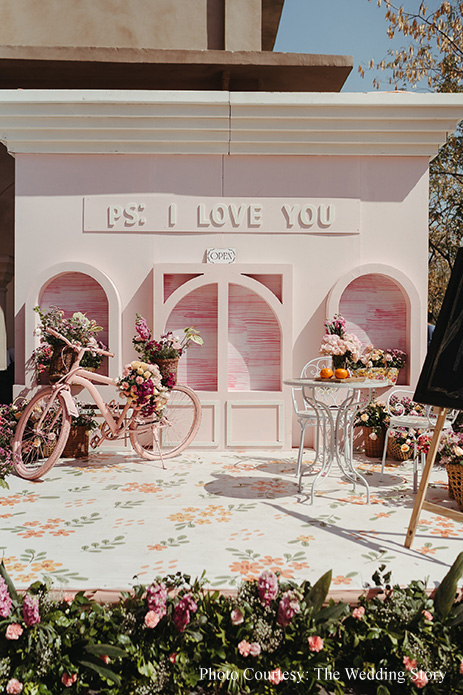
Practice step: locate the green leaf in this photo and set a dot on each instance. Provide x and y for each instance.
(319, 592)
(382, 690)
(444, 597)
(106, 650)
(331, 612)
(12, 591)
(102, 671)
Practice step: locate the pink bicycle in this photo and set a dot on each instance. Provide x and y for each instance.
(44, 426)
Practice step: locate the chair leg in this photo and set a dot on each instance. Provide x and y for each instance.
(301, 451)
(383, 460)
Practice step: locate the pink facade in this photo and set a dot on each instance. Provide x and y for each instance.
(317, 232)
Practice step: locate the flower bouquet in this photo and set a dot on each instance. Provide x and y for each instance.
(344, 348)
(141, 384)
(164, 352)
(78, 329)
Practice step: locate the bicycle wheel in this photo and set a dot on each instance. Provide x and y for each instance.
(36, 449)
(182, 418)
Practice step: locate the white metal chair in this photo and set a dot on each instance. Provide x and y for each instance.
(398, 418)
(307, 416)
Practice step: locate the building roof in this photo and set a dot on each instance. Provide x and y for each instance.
(36, 67)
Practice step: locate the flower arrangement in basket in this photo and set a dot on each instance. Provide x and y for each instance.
(401, 442)
(450, 455)
(9, 416)
(373, 419)
(53, 355)
(164, 352)
(342, 347)
(82, 426)
(141, 384)
(375, 363)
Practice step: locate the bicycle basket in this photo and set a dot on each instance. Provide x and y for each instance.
(61, 362)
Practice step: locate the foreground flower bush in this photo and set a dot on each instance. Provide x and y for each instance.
(271, 637)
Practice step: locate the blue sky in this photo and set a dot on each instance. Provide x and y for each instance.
(342, 27)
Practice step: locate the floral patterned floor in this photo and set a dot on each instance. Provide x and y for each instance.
(112, 520)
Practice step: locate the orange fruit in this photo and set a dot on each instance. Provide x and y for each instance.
(341, 374)
(326, 373)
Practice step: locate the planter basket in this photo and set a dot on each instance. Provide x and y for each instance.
(373, 447)
(455, 474)
(77, 444)
(394, 451)
(168, 369)
(61, 362)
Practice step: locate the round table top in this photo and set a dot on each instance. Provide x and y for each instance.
(365, 384)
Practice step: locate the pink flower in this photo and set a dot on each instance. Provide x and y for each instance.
(173, 657)
(409, 663)
(152, 618)
(428, 615)
(13, 631)
(68, 679)
(14, 687)
(358, 612)
(182, 612)
(104, 658)
(267, 587)
(139, 380)
(156, 596)
(31, 613)
(244, 648)
(237, 616)
(69, 598)
(5, 599)
(420, 679)
(255, 649)
(141, 327)
(287, 609)
(275, 676)
(315, 643)
(461, 667)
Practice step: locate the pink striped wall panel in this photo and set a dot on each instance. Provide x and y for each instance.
(79, 292)
(254, 343)
(272, 282)
(173, 281)
(198, 365)
(376, 311)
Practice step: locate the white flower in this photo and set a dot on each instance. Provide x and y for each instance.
(373, 436)
(458, 451)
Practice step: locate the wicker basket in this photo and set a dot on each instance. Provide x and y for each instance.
(168, 369)
(455, 474)
(373, 447)
(395, 452)
(77, 444)
(61, 362)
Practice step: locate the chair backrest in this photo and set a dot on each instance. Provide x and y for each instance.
(331, 397)
(400, 401)
(313, 367)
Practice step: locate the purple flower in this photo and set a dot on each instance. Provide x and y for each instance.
(142, 328)
(267, 587)
(182, 612)
(287, 609)
(31, 612)
(156, 596)
(5, 599)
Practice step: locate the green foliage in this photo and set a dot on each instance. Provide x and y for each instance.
(83, 647)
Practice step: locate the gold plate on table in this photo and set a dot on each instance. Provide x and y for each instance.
(339, 381)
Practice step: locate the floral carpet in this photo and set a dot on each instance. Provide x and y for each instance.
(112, 520)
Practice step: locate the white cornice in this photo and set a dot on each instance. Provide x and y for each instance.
(176, 122)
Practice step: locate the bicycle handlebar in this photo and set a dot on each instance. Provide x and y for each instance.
(77, 348)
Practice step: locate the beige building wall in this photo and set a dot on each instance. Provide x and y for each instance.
(234, 25)
(161, 24)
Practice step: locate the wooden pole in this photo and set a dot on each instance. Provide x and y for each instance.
(421, 495)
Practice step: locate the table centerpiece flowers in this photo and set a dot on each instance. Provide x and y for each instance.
(376, 363)
(343, 348)
(166, 351)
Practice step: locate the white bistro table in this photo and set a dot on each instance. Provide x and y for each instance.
(337, 422)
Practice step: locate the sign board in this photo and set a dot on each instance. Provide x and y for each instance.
(221, 255)
(441, 378)
(152, 213)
